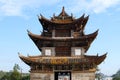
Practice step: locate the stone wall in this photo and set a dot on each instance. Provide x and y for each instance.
(83, 76)
(74, 76)
(42, 76)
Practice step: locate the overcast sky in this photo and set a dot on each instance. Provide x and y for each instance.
(16, 16)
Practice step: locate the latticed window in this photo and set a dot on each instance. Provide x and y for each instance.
(77, 52)
(47, 52)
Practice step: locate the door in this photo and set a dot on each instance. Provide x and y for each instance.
(62, 75)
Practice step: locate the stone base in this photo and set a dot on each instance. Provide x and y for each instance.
(41, 76)
(51, 76)
(83, 76)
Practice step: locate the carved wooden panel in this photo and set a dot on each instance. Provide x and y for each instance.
(62, 43)
(62, 33)
(63, 51)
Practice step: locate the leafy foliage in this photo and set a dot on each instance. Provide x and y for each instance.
(99, 76)
(2, 73)
(14, 74)
(117, 75)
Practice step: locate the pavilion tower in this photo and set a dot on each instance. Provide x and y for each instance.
(63, 46)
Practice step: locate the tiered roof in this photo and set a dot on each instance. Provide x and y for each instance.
(86, 39)
(77, 25)
(63, 18)
(87, 59)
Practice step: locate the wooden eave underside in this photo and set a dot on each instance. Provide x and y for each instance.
(75, 22)
(38, 39)
(40, 60)
(88, 37)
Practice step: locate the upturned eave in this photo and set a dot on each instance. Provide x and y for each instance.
(38, 39)
(88, 37)
(96, 60)
(76, 23)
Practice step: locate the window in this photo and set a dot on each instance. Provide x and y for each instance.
(48, 52)
(77, 52)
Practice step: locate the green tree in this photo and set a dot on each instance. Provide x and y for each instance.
(27, 77)
(15, 73)
(116, 76)
(6, 76)
(2, 73)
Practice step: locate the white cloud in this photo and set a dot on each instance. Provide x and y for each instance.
(9, 7)
(96, 6)
(16, 7)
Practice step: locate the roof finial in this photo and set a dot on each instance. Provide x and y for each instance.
(63, 10)
(54, 15)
